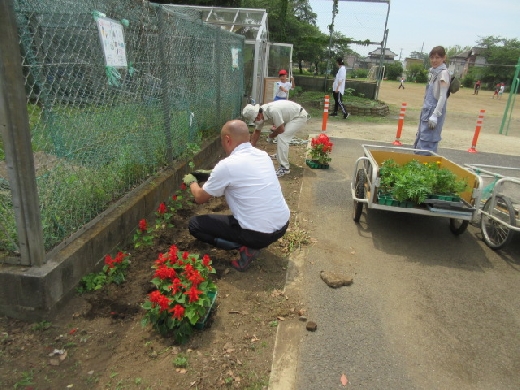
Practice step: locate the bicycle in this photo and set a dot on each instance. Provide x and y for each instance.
(500, 209)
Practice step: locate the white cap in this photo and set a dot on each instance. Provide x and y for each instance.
(250, 112)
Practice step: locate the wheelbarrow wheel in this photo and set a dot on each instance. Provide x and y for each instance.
(497, 234)
(458, 226)
(359, 191)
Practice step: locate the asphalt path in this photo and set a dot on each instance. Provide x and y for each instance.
(427, 309)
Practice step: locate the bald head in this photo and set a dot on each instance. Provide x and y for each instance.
(234, 133)
(237, 130)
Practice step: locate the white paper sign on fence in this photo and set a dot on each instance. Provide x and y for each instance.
(113, 42)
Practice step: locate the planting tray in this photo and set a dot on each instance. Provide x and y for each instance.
(316, 165)
(444, 205)
(202, 322)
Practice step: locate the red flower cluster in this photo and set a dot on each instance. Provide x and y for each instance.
(178, 311)
(184, 293)
(162, 208)
(193, 275)
(176, 286)
(143, 225)
(111, 262)
(193, 294)
(163, 272)
(159, 299)
(323, 140)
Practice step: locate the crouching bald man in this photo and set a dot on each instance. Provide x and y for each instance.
(247, 179)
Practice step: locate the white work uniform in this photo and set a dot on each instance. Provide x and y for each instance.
(290, 114)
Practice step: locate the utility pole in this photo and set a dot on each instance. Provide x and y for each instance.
(383, 51)
(331, 30)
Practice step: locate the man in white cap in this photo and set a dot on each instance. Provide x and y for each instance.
(287, 117)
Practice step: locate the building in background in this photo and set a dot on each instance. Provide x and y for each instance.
(374, 58)
(462, 62)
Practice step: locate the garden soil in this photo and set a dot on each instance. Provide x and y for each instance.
(99, 336)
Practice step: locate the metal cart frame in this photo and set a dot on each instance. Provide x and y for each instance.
(499, 218)
(366, 181)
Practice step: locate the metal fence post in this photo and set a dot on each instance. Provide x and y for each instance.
(165, 90)
(218, 76)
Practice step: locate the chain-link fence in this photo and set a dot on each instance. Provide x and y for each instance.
(98, 131)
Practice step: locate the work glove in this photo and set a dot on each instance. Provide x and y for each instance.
(188, 179)
(202, 174)
(432, 122)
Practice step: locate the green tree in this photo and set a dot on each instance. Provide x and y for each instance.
(417, 73)
(310, 46)
(394, 70)
(303, 12)
(501, 55)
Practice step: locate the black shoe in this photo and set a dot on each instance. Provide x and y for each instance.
(334, 114)
(346, 115)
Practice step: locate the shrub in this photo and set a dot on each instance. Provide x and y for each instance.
(359, 73)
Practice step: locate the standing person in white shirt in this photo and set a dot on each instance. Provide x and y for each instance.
(338, 89)
(501, 90)
(284, 86)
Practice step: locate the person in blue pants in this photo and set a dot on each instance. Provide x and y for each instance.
(433, 112)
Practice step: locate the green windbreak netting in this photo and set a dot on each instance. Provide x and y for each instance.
(116, 90)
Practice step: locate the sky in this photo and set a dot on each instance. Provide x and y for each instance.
(420, 24)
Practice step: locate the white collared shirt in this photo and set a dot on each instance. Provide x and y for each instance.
(248, 181)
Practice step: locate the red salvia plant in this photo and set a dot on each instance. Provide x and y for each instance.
(113, 272)
(163, 217)
(320, 150)
(183, 295)
(143, 235)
